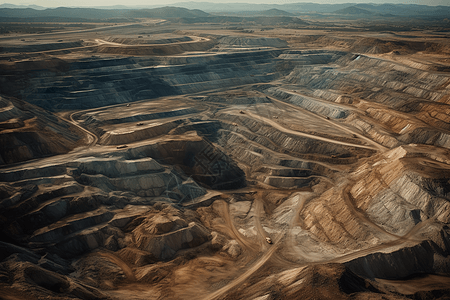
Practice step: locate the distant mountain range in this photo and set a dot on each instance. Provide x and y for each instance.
(395, 10)
(205, 9)
(353, 10)
(9, 5)
(236, 7)
(167, 12)
(275, 12)
(97, 14)
(298, 8)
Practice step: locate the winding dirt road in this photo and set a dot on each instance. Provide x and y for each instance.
(195, 39)
(334, 123)
(271, 250)
(297, 133)
(92, 138)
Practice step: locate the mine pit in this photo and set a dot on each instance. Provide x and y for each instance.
(173, 153)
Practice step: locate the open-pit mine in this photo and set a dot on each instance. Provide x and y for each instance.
(224, 157)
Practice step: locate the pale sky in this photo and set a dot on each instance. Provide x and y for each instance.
(78, 3)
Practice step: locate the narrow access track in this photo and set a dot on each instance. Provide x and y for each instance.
(311, 136)
(265, 257)
(92, 138)
(334, 123)
(238, 281)
(195, 39)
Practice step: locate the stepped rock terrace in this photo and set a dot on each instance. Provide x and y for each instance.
(154, 159)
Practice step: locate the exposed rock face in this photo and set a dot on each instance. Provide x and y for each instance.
(27, 132)
(403, 188)
(205, 162)
(99, 272)
(233, 42)
(87, 83)
(323, 281)
(164, 246)
(161, 235)
(30, 277)
(70, 220)
(159, 48)
(399, 264)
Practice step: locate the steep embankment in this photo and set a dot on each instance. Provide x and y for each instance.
(28, 132)
(98, 82)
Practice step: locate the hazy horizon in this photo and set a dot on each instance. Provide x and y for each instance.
(130, 3)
